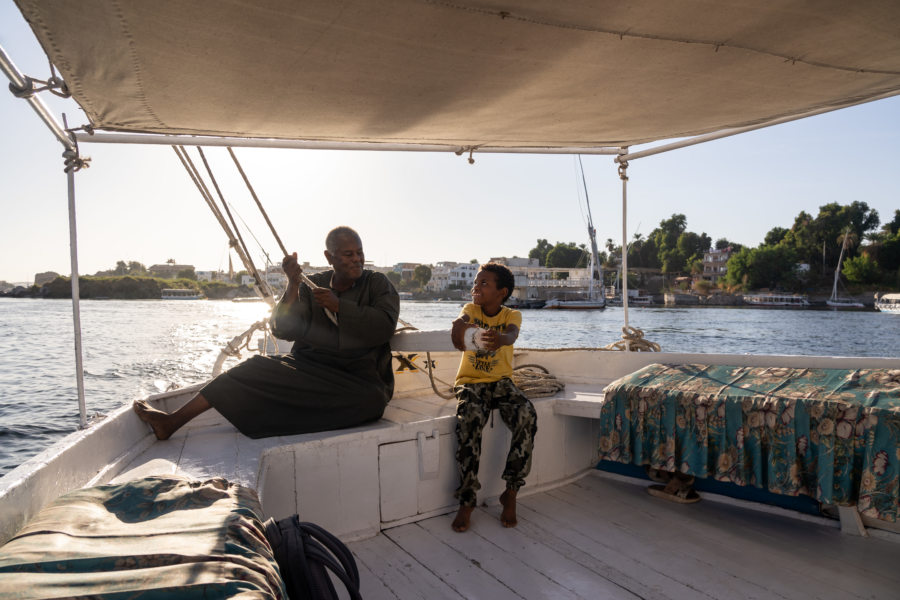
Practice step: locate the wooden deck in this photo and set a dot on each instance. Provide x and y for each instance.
(603, 537)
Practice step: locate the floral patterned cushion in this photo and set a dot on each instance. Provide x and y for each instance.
(833, 434)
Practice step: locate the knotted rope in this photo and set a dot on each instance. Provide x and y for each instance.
(633, 340)
(238, 343)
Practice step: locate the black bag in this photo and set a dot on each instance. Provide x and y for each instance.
(303, 551)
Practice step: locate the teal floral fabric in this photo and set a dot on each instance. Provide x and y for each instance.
(158, 537)
(832, 434)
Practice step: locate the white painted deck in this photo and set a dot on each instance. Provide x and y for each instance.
(602, 537)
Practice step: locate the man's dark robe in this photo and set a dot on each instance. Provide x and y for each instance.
(336, 375)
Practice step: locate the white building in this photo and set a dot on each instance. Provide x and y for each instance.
(462, 276)
(440, 276)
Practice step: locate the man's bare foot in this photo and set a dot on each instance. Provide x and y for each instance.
(508, 516)
(156, 419)
(461, 522)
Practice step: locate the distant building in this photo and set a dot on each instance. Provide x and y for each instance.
(168, 270)
(206, 275)
(516, 261)
(440, 276)
(406, 270)
(46, 277)
(462, 276)
(715, 264)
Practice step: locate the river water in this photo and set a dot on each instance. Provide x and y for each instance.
(137, 347)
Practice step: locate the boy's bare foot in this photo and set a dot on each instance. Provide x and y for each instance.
(508, 516)
(461, 522)
(156, 419)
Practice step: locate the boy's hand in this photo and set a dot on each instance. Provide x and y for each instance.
(457, 330)
(491, 339)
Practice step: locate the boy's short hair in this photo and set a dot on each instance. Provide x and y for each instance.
(505, 277)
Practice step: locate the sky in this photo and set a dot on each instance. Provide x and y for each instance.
(137, 202)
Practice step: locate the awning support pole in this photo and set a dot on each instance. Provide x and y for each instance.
(623, 175)
(73, 163)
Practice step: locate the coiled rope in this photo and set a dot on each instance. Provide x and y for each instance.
(534, 380)
(633, 340)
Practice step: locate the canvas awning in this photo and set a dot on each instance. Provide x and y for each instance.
(529, 73)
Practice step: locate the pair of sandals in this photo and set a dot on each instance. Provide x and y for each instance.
(673, 486)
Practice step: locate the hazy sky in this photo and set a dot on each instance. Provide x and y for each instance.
(137, 203)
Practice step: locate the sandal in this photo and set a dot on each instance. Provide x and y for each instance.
(679, 489)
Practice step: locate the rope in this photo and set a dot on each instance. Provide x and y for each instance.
(74, 162)
(238, 343)
(255, 198)
(536, 381)
(194, 174)
(262, 283)
(309, 283)
(633, 340)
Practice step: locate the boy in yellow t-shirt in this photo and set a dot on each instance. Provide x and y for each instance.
(486, 330)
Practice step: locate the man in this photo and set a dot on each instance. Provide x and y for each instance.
(337, 375)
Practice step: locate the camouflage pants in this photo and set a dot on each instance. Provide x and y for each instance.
(475, 401)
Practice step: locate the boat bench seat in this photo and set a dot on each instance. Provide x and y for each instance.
(580, 401)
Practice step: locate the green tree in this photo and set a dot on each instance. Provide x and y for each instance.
(540, 251)
(566, 256)
(693, 246)
(766, 266)
(136, 268)
(723, 243)
(394, 277)
(665, 237)
(861, 269)
(775, 236)
(187, 274)
(885, 246)
(422, 275)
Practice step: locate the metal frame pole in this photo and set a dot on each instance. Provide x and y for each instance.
(76, 297)
(71, 151)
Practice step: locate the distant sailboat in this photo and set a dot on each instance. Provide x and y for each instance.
(595, 298)
(835, 301)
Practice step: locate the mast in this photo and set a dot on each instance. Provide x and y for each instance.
(837, 269)
(592, 235)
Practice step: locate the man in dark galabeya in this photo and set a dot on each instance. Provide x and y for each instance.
(337, 375)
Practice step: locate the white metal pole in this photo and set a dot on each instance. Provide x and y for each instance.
(184, 140)
(624, 177)
(76, 308)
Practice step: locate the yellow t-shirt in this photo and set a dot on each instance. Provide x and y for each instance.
(480, 366)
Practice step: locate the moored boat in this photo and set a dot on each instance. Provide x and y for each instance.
(181, 294)
(835, 301)
(888, 303)
(777, 300)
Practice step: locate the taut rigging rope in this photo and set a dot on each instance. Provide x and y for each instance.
(261, 282)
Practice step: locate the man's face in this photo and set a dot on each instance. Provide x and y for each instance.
(348, 258)
(485, 291)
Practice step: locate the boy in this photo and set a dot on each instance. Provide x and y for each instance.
(486, 330)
